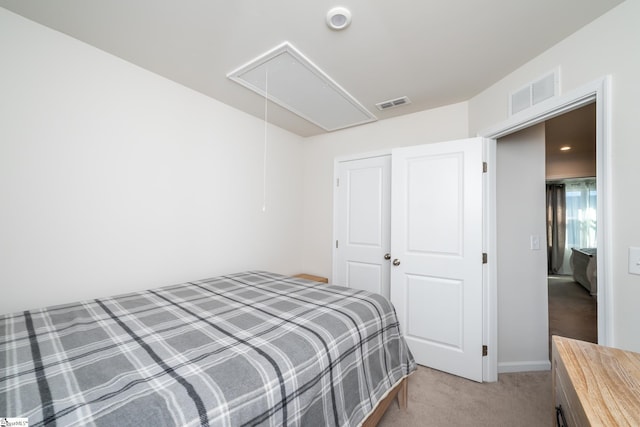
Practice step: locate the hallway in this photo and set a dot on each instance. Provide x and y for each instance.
(572, 310)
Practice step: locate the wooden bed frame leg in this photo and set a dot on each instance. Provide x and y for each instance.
(399, 392)
(403, 394)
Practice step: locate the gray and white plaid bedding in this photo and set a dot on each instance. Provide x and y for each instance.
(252, 348)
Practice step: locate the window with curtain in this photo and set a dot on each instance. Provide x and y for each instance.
(581, 200)
(571, 220)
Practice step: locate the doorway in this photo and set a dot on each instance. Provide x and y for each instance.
(571, 208)
(599, 91)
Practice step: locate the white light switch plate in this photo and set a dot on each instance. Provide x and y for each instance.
(535, 243)
(634, 260)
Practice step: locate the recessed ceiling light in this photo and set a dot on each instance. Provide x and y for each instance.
(565, 148)
(338, 18)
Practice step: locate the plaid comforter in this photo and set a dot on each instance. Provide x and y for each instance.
(246, 349)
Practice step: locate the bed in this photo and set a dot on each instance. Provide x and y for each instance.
(584, 263)
(252, 348)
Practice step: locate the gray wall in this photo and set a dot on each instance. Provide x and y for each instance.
(522, 272)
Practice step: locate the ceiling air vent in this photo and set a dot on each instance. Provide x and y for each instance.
(392, 103)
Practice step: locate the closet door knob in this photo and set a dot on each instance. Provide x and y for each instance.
(387, 256)
(396, 262)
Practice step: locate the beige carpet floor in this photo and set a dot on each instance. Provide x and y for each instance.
(518, 399)
(438, 399)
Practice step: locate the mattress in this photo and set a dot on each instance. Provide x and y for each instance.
(253, 348)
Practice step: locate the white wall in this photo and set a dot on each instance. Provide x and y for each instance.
(435, 125)
(607, 46)
(523, 330)
(114, 179)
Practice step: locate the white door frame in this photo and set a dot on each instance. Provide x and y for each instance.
(600, 92)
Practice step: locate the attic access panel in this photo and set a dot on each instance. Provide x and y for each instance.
(289, 79)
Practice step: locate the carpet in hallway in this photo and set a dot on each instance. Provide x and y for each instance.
(572, 310)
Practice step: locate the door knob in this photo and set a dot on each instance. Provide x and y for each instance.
(396, 262)
(387, 256)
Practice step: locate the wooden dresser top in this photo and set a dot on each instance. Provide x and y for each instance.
(606, 380)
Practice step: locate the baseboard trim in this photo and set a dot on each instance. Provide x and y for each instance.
(507, 367)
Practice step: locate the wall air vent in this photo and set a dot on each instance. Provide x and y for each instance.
(535, 92)
(392, 103)
(286, 77)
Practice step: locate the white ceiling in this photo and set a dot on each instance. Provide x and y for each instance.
(436, 52)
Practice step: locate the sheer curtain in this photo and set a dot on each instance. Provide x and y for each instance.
(571, 221)
(581, 197)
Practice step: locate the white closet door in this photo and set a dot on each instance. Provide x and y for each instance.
(436, 237)
(363, 224)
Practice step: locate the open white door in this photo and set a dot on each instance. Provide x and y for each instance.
(436, 246)
(363, 224)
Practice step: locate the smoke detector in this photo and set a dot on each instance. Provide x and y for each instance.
(392, 103)
(338, 18)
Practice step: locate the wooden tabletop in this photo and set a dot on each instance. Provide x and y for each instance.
(606, 380)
